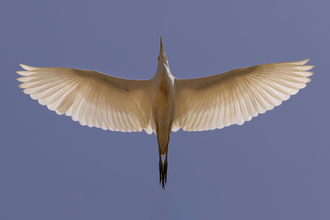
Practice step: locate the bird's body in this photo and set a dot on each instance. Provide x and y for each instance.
(164, 103)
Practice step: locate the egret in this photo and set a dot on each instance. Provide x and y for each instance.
(164, 103)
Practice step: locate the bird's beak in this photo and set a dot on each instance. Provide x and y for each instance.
(161, 53)
(161, 42)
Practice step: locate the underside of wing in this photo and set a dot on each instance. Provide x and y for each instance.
(90, 97)
(236, 96)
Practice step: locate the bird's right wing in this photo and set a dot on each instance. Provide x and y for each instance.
(236, 96)
(90, 97)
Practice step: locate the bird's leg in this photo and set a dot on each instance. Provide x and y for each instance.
(162, 170)
(163, 179)
(165, 164)
(165, 169)
(160, 167)
(160, 164)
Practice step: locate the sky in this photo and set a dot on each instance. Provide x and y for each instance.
(274, 167)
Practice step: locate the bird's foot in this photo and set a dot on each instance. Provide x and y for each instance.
(163, 174)
(160, 171)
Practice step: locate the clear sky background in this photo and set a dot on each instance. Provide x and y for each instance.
(274, 167)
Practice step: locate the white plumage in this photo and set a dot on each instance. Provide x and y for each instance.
(236, 96)
(90, 97)
(164, 103)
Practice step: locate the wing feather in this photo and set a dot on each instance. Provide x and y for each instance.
(236, 96)
(92, 98)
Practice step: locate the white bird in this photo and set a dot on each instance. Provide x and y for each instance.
(164, 103)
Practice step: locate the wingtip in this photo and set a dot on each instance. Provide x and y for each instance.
(303, 61)
(21, 79)
(26, 67)
(23, 66)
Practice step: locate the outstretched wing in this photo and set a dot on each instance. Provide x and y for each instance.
(90, 97)
(236, 96)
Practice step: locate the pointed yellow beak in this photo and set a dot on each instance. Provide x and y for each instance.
(161, 42)
(162, 55)
(161, 47)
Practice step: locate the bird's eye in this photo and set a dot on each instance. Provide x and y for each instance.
(165, 57)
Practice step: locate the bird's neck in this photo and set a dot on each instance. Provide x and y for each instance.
(163, 71)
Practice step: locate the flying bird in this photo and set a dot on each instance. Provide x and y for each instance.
(164, 103)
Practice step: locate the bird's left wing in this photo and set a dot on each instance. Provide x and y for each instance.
(90, 97)
(236, 96)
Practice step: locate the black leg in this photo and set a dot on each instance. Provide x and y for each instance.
(165, 171)
(165, 161)
(160, 170)
(163, 166)
(163, 183)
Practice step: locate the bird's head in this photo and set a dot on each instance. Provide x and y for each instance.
(162, 58)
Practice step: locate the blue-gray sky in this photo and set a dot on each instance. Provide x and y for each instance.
(274, 167)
